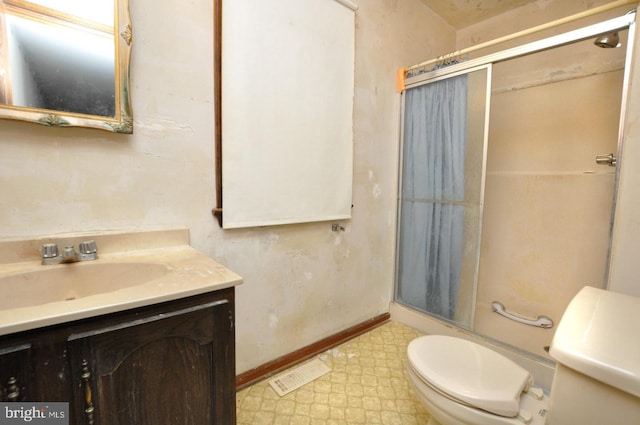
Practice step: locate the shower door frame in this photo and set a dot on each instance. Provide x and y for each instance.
(485, 138)
(626, 21)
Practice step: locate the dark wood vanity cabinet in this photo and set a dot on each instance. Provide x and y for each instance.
(171, 363)
(16, 372)
(33, 366)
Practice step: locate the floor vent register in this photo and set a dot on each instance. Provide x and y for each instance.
(298, 376)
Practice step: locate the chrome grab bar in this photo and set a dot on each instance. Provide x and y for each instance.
(541, 321)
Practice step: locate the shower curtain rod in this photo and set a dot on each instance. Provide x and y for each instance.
(625, 21)
(403, 71)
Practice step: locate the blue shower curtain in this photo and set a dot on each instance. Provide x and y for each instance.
(432, 204)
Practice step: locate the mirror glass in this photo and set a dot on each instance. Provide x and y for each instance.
(66, 63)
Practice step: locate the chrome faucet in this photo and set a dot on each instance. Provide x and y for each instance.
(87, 251)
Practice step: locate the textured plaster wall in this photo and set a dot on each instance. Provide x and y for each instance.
(302, 282)
(306, 282)
(58, 180)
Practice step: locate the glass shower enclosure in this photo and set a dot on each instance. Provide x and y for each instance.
(443, 167)
(502, 206)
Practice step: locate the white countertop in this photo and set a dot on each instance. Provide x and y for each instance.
(188, 273)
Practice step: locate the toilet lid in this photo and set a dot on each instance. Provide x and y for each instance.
(470, 373)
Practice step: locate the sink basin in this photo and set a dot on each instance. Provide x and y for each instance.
(133, 269)
(72, 281)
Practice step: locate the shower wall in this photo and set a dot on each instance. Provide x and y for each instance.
(548, 206)
(547, 211)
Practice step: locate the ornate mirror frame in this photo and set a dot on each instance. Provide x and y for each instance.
(122, 121)
(217, 94)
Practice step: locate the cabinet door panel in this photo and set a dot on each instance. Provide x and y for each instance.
(168, 368)
(16, 373)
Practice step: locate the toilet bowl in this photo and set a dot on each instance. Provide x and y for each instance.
(597, 378)
(461, 382)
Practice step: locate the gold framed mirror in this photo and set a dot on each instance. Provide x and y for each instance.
(65, 63)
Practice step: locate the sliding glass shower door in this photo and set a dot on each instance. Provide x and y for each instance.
(441, 197)
(548, 202)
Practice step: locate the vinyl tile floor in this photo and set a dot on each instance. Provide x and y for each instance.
(368, 384)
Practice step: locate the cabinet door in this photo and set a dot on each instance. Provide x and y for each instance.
(174, 367)
(15, 373)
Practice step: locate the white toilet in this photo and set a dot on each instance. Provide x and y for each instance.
(597, 378)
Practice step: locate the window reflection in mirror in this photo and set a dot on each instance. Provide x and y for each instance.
(59, 62)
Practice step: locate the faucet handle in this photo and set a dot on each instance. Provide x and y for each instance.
(88, 247)
(87, 250)
(49, 250)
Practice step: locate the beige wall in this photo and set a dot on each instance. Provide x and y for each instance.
(302, 282)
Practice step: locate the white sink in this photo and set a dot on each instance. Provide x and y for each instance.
(66, 282)
(133, 269)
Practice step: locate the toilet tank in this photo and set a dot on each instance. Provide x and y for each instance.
(597, 350)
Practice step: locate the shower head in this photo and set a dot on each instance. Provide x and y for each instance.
(608, 41)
